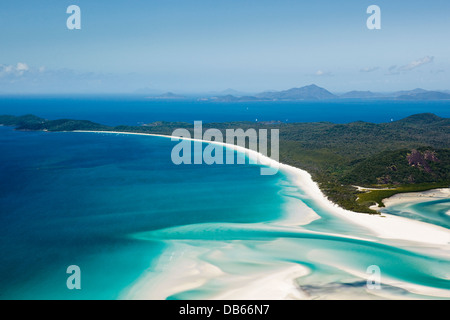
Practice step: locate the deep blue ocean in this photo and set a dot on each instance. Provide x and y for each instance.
(112, 204)
(75, 198)
(135, 110)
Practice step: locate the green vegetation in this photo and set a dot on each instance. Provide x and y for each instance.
(412, 154)
(31, 122)
(422, 165)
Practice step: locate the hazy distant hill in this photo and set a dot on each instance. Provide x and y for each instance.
(167, 96)
(360, 95)
(307, 93)
(427, 95)
(314, 92)
(407, 92)
(416, 94)
(231, 92)
(231, 98)
(311, 92)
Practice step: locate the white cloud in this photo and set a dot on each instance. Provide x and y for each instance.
(321, 73)
(10, 70)
(22, 67)
(417, 63)
(23, 78)
(7, 69)
(410, 66)
(371, 69)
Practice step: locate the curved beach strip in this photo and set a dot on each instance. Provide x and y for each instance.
(432, 206)
(416, 197)
(383, 226)
(190, 269)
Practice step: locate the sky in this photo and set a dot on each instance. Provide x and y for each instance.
(196, 46)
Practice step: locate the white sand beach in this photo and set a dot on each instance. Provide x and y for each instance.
(195, 273)
(415, 197)
(384, 226)
(184, 270)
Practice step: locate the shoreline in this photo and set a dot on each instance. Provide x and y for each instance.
(383, 225)
(417, 197)
(196, 272)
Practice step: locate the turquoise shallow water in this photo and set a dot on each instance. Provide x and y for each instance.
(73, 198)
(117, 207)
(435, 211)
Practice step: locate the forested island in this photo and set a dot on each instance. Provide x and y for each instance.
(411, 154)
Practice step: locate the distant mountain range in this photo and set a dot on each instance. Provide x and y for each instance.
(168, 96)
(311, 92)
(308, 93)
(360, 95)
(428, 95)
(314, 92)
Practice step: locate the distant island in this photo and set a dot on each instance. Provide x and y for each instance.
(411, 154)
(312, 93)
(168, 96)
